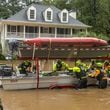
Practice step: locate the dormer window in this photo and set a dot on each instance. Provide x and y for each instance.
(48, 15)
(31, 13)
(64, 16)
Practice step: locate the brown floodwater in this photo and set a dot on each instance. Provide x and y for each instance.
(91, 98)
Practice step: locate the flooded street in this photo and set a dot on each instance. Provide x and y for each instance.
(56, 99)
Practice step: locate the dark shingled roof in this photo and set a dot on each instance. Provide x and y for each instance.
(40, 8)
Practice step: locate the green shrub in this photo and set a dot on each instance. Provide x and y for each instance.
(93, 34)
(14, 57)
(2, 57)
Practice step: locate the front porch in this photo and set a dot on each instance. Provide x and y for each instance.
(25, 32)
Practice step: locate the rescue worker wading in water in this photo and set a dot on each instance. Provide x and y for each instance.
(80, 73)
(99, 74)
(24, 67)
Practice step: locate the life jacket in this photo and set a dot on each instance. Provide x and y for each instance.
(23, 66)
(100, 74)
(59, 66)
(79, 72)
(83, 72)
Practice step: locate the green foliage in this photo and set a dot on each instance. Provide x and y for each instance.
(14, 57)
(61, 4)
(95, 13)
(8, 9)
(92, 34)
(2, 57)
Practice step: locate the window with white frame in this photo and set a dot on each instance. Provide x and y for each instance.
(64, 16)
(31, 13)
(11, 28)
(44, 30)
(48, 15)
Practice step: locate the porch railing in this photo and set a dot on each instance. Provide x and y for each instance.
(15, 35)
(34, 35)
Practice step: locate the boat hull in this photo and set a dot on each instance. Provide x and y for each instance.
(18, 83)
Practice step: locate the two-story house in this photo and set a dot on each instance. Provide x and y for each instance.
(38, 20)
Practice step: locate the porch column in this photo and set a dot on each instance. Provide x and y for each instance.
(39, 32)
(3, 36)
(86, 31)
(55, 32)
(71, 33)
(5, 30)
(6, 48)
(24, 32)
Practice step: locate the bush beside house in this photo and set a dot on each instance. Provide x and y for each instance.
(2, 57)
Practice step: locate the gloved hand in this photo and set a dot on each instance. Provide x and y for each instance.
(90, 75)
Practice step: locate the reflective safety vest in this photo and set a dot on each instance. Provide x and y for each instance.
(23, 66)
(60, 67)
(80, 73)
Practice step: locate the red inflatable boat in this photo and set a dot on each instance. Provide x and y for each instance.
(67, 42)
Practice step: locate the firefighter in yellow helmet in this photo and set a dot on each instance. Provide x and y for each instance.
(25, 67)
(99, 74)
(80, 75)
(60, 66)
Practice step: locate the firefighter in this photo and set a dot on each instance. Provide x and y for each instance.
(106, 67)
(24, 67)
(80, 73)
(92, 66)
(99, 74)
(60, 66)
(108, 71)
(106, 64)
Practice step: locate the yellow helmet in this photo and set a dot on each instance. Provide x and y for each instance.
(76, 69)
(78, 62)
(99, 65)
